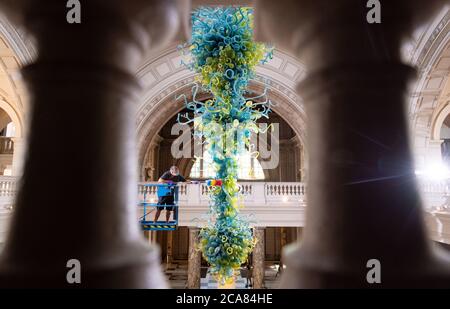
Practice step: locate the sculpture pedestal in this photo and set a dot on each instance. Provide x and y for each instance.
(228, 286)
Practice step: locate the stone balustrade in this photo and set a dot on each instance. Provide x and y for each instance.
(266, 204)
(253, 193)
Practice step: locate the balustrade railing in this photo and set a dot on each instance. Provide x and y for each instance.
(285, 189)
(434, 193)
(441, 187)
(253, 193)
(259, 199)
(8, 186)
(6, 145)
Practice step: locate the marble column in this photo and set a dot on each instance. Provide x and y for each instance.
(433, 153)
(151, 165)
(283, 235)
(148, 236)
(299, 234)
(169, 257)
(298, 159)
(152, 238)
(78, 195)
(194, 259)
(363, 202)
(18, 154)
(151, 160)
(259, 259)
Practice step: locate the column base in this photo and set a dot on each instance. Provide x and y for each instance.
(136, 267)
(307, 270)
(227, 286)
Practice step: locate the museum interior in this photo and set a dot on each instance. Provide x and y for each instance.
(355, 166)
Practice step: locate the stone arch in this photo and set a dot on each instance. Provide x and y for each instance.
(19, 44)
(165, 109)
(13, 114)
(164, 79)
(185, 165)
(439, 121)
(16, 52)
(430, 96)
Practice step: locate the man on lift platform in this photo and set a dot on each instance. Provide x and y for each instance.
(172, 176)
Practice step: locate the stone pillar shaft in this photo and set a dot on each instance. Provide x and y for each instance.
(77, 198)
(194, 259)
(169, 257)
(18, 154)
(362, 198)
(259, 258)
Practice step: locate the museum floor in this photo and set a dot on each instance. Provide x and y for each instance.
(177, 276)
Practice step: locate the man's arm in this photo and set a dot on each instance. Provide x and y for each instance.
(182, 179)
(164, 178)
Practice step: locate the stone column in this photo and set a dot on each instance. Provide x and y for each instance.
(169, 257)
(152, 237)
(304, 164)
(283, 233)
(151, 160)
(151, 164)
(18, 154)
(148, 236)
(298, 159)
(299, 232)
(194, 259)
(433, 153)
(78, 195)
(259, 259)
(362, 198)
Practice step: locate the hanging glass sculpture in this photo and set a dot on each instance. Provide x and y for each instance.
(225, 56)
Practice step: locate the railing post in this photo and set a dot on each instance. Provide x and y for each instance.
(193, 192)
(259, 194)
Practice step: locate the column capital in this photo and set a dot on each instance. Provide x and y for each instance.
(127, 28)
(329, 33)
(155, 141)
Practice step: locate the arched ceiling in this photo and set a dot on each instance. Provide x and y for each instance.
(164, 78)
(15, 52)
